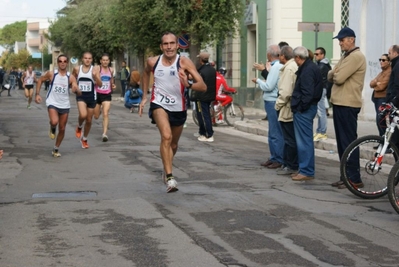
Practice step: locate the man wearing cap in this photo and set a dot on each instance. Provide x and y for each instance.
(204, 99)
(347, 77)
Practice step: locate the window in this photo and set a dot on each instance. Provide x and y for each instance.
(344, 13)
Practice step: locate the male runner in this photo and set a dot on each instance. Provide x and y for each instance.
(28, 79)
(104, 93)
(57, 99)
(86, 76)
(168, 104)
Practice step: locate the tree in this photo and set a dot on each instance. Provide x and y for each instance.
(12, 60)
(87, 28)
(114, 26)
(12, 33)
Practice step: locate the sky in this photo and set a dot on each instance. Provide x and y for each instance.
(17, 10)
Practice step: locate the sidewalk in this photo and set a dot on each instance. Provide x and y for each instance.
(258, 126)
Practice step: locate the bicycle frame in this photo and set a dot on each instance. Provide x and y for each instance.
(387, 137)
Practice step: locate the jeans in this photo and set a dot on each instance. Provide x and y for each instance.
(303, 126)
(204, 118)
(322, 114)
(290, 148)
(276, 143)
(377, 103)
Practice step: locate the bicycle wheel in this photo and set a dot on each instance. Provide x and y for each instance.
(393, 188)
(360, 160)
(232, 113)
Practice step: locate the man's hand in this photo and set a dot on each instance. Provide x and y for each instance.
(259, 66)
(141, 107)
(38, 99)
(254, 80)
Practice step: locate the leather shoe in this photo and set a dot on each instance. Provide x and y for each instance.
(267, 163)
(301, 177)
(274, 165)
(337, 183)
(294, 174)
(356, 185)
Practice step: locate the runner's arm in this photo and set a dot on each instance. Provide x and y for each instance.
(188, 66)
(96, 76)
(146, 81)
(74, 85)
(47, 76)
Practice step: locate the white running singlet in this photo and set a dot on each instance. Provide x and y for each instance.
(167, 90)
(58, 93)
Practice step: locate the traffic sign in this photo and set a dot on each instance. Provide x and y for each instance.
(74, 60)
(184, 41)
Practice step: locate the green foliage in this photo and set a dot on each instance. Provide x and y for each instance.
(12, 33)
(113, 26)
(21, 60)
(88, 28)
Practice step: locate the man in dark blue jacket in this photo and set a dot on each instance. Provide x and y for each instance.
(307, 93)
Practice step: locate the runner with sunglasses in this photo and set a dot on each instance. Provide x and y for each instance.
(57, 99)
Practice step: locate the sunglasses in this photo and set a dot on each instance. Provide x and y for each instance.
(62, 61)
(383, 60)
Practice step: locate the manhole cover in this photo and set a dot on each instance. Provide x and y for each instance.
(65, 194)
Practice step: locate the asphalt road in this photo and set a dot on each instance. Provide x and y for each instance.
(109, 207)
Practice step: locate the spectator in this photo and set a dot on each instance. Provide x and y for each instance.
(270, 93)
(393, 85)
(134, 83)
(124, 77)
(307, 93)
(347, 77)
(6, 83)
(264, 68)
(379, 85)
(283, 106)
(324, 66)
(204, 99)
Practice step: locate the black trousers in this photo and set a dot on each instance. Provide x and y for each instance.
(290, 155)
(345, 126)
(204, 118)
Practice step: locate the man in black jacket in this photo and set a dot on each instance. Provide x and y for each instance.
(204, 99)
(324, 66)
(307, 93)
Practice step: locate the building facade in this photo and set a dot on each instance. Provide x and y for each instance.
(35, 35)
(268, 22)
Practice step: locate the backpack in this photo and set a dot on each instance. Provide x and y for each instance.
(134, 93)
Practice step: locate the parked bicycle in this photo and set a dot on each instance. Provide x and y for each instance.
(372, 158)
(230, 113)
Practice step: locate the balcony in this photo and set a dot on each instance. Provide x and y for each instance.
(33, 26)
(34, 42)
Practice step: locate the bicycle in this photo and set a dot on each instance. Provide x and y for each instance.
(371, 158)
(231, 113)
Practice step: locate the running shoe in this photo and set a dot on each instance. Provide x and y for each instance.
(55, 153)
(51, 133)
(203, 138)
(84, 143)
(171, 185)
(105, 138)
(28, 107)
(78, 132)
